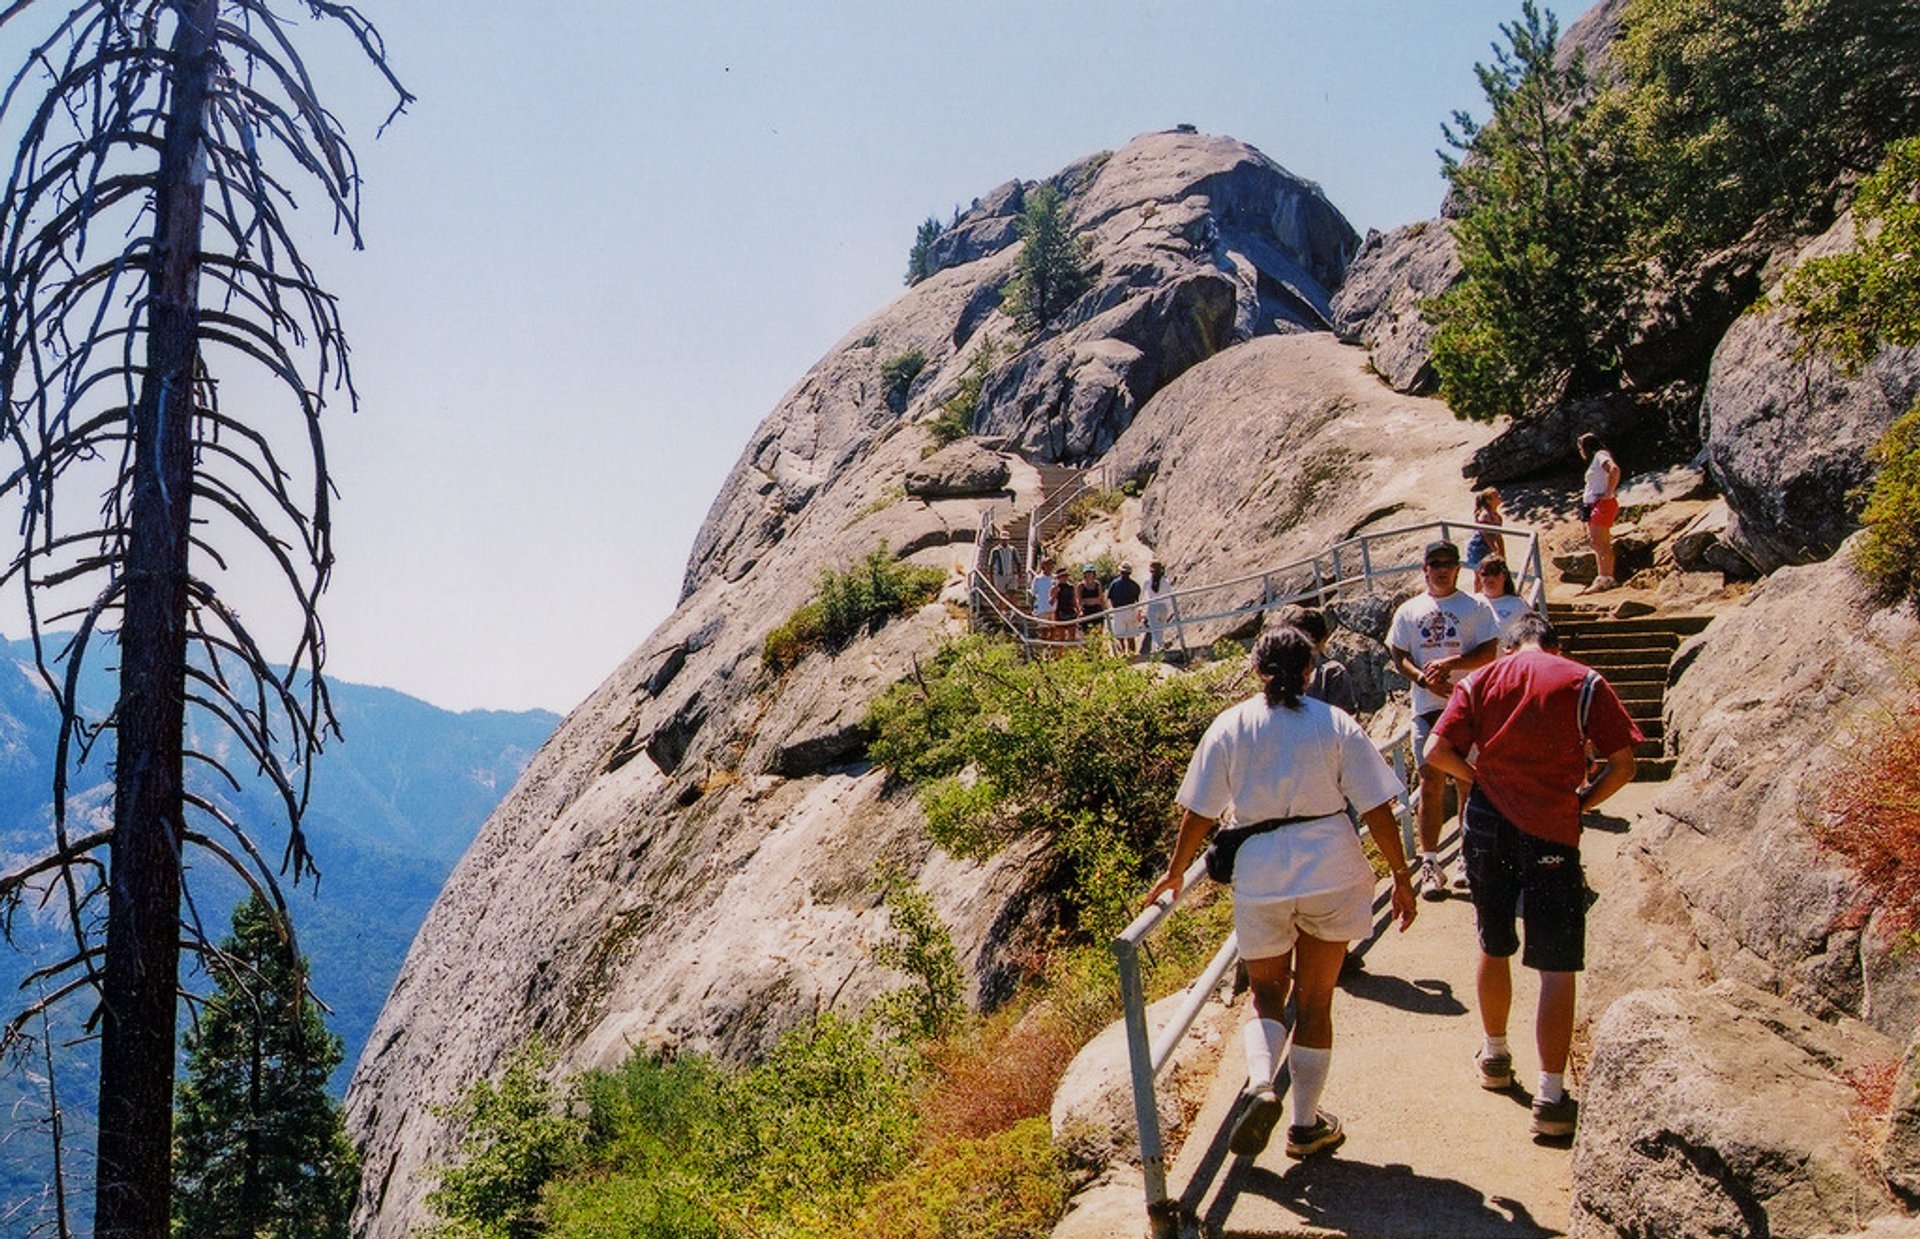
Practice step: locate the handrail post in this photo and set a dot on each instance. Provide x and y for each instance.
(1146, 1110)
(1366, 562)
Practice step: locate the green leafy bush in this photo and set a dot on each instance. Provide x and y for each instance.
(517, 1137)
(922, 948)
(1848, 305)
(897, 374)
(1009, 1185)
(1087, 748)
(955, 419)
(850, 604)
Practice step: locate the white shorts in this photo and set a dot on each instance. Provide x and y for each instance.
(1269, 927)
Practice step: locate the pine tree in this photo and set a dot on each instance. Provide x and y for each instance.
(920, 257)
(1053, 269)
(1536, 316)
(260, 1148)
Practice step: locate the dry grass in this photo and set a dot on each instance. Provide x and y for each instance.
(1872, 818)
(1872, 1086)
(993, 1076)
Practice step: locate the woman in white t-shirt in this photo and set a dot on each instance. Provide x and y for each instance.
(1285, 767)
(1493, 582)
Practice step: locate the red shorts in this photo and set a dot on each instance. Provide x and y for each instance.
(1601, 512)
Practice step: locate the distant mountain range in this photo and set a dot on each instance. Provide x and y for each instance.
(395, 803)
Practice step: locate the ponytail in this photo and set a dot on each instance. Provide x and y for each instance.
(1284, 656)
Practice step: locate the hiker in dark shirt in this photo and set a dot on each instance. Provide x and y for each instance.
(1123, 600)
(1092, 598)
(1330, 682)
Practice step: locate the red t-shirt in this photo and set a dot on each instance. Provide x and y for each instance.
(1523, 710)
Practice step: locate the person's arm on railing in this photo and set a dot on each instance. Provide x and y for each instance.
(1193, 832)
(1385, 829)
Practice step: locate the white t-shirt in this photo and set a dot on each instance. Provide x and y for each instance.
(1506, 608)
(1043, 595)
(1597, 477)
(1430, 628)
(1259, 762)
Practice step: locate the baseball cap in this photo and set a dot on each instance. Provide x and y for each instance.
(1441, 551)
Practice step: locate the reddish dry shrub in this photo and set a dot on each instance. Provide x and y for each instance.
(983, 1084)
(1872, 817)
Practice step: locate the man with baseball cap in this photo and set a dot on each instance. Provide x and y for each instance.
(1437, 636)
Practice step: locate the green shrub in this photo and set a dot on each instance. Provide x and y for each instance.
(897, 374)
(1889, 555)
(1087, 749)
(922, 948)
(955, 418)
(516, 1137)
(1006, 1186)
(850, 604)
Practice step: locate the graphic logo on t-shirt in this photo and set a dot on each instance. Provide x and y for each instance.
(1439, 628)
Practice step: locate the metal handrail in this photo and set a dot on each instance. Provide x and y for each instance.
(1341, 566)
(1147, 1054)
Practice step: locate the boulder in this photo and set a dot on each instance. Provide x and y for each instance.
(1378, 307)
(1761, 709)
(1701, 545)
(957, 470)
(1900, 1153)
(1721, 1113)
(1546, 441)
(1787, 433)
(1093, 1112)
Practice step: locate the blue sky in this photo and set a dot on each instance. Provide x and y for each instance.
(610, 235)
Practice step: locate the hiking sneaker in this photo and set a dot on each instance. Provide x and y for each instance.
(1322, 1135)
(1554, 1118)
(1433, 879)
(1259, 1111)
(1496, 1070)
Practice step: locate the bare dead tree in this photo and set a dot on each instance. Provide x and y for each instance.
(146, 258)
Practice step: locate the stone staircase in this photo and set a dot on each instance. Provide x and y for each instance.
(1634, 655)
(1055, 481)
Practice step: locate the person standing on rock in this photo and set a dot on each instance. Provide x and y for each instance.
(1123, 598)
(1286, 767)
(1532, 714)
(1436, 637)
(1599, 507)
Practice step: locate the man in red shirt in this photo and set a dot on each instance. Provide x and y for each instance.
(1531, 714)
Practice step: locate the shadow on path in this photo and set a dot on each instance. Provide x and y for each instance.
(1360, 1198)
(1425, 996)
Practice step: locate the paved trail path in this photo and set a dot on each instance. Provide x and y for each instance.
(1429, 1153)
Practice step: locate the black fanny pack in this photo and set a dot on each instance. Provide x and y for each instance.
(1226, 843)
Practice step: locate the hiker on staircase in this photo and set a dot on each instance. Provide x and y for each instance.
(1531, 714)
(1287, 767)
(1436, 638)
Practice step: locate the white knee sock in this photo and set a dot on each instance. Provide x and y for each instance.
(1264, 1039)
(1310, 1068)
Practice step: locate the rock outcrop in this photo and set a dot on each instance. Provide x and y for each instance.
(1720, 1113)
(1378, 307)
(1787, 433)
